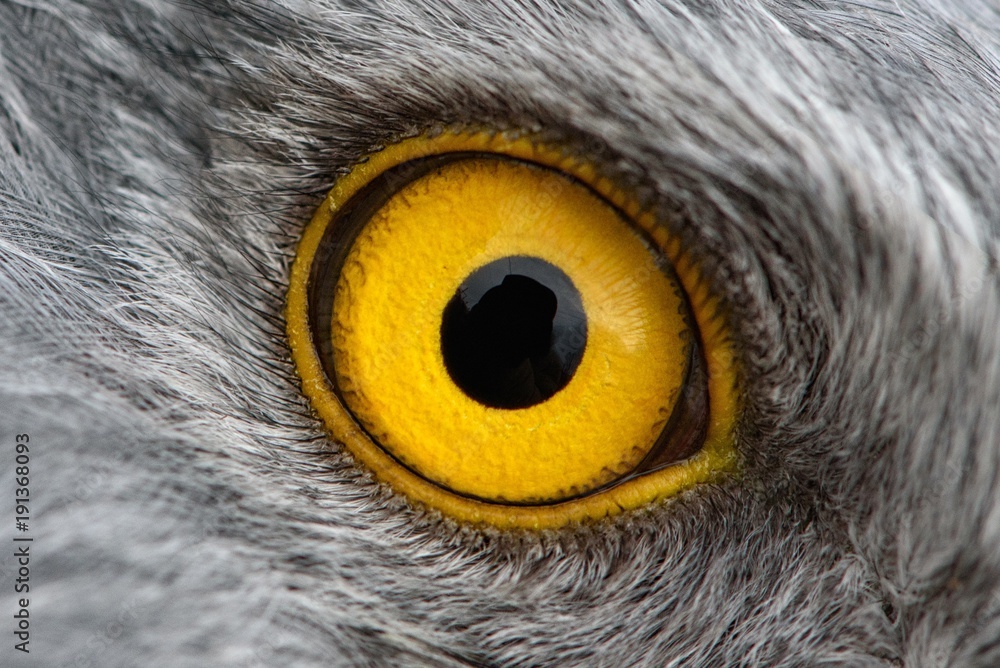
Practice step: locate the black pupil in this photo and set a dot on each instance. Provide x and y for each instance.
(514, 333)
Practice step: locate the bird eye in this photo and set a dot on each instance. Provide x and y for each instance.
(499, 333)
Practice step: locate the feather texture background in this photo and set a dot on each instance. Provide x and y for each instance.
(834, 164)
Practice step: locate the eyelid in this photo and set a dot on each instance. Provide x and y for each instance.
(716, 457)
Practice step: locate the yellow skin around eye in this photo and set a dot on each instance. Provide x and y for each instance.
(717, 456)
(404, 268)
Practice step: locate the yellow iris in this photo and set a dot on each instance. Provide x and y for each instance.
(387, 342)
(396, 243)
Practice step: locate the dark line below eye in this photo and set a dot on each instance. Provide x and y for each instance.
(685, 430)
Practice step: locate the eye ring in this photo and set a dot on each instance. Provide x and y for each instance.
(715, 457)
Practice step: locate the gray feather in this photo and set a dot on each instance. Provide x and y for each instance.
(835, 164)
